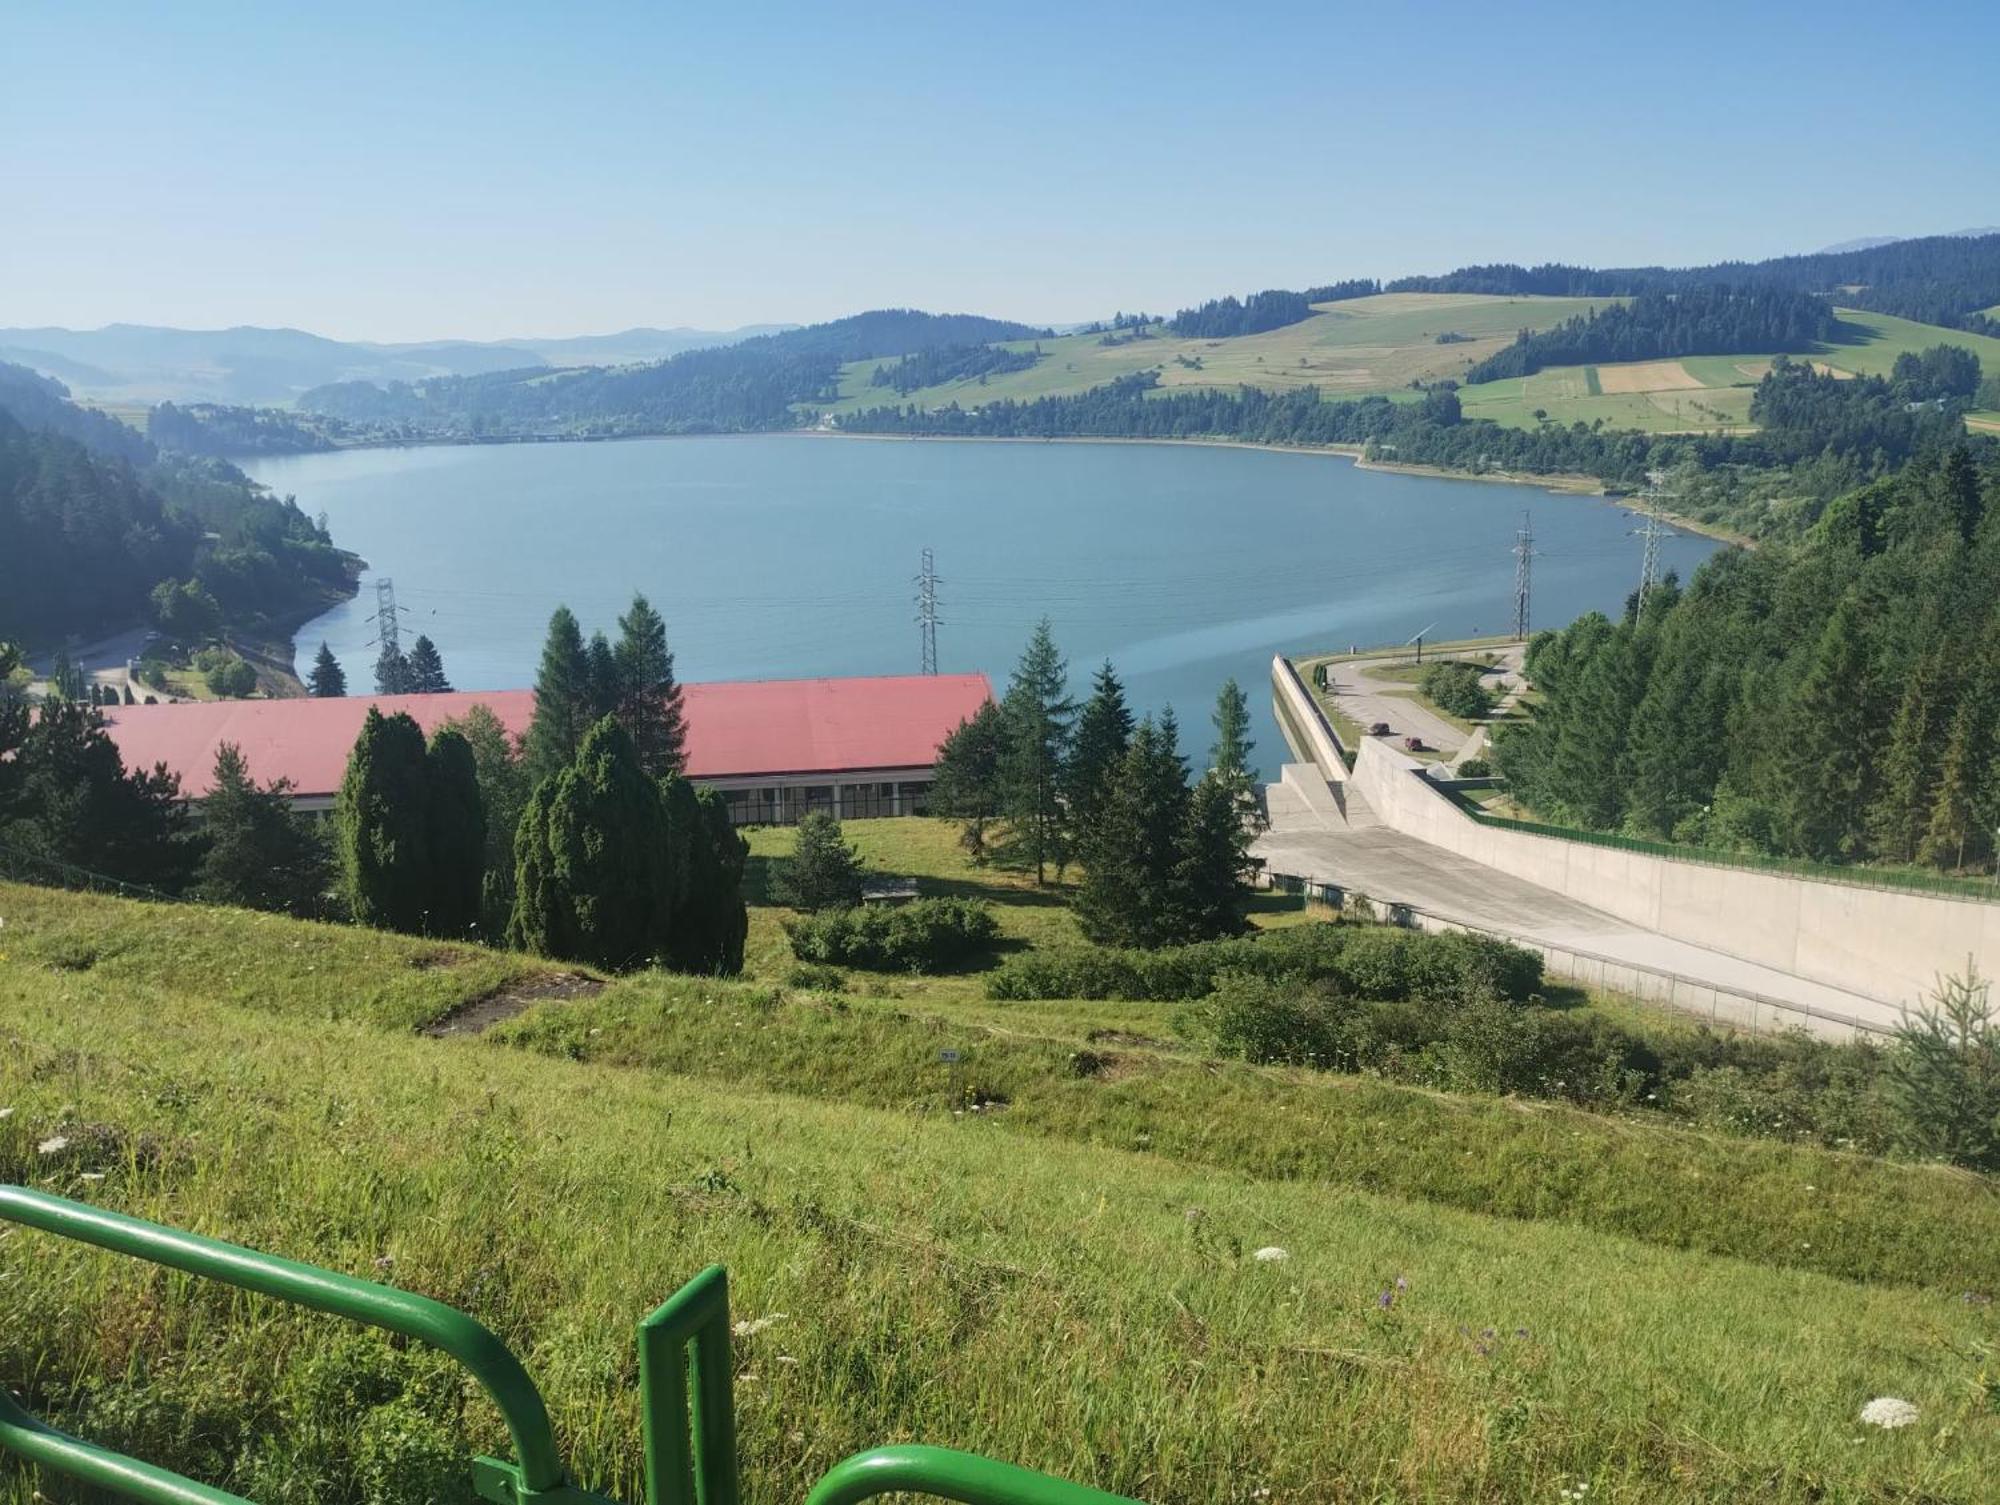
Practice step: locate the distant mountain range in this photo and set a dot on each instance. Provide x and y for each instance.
(249, 365)
(1874, 242)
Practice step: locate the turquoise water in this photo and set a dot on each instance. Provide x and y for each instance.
(783, 556)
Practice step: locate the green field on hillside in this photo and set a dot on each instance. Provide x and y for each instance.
(1482, 1298)
(1349, 348)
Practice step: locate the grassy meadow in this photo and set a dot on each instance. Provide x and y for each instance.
(1050, 1257)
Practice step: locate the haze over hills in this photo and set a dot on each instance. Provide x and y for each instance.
(1876, 242)
(246, 364)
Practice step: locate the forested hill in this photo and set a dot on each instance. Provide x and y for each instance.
(1837, 699)
(1701, 321)
(1948, 280)
(753, 385)
(93, 517)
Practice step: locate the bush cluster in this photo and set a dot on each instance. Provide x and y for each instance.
(1362, 961)
(928, 935)
(1454, 686)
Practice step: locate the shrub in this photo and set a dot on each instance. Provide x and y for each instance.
(929, 935)
(1375, 962)
(1453, 687)
(815, 977)
(823, 871)
(1475, 768)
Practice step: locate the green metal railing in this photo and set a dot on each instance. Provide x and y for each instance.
(685, 1389)
(1981, 889)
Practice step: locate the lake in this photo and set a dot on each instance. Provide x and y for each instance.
(788, 556)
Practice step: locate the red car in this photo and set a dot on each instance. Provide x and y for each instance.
(1413, 744)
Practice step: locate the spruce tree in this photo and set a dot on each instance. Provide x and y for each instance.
(1944, 1075)
(392, 671)
(504, 787)
(382, 824)
(1902, 813)
(328, 681)
(711, 921)
(1214, 867)
(594, 860)
(563, 699)
(1132, 893)
(1831, 730)
(457, 835)
(965, 782)
(823, 871)
(649, 697)
(1229, 758)
(258, 853)
(603, 677)
(1103, 732)
(426, 669)
(1038, 715)
(1961, 818)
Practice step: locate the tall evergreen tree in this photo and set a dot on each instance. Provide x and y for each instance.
(1213, 871)
(1902, 813)
(965, 782)
(426, 669)
(1831, 732)
(1038, 716)
(711, 921)
(823, 871)
(604, 687)
(1103, 732)
(258, 852)
(457, 835)
(594, 860)
(649, 697)
(564, 699)
(503, 793)
(1961, 823)
(328, 681)
(1132, 892)
(382, 823)
(392, 671)
(1229, 758)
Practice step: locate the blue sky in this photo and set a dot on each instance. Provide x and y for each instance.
(437, 169)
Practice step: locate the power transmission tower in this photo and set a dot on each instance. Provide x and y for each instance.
(927, 612)
(385, 617)
(1524, 555)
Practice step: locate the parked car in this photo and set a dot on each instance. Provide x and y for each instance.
(1413, 744)
(1379, 729)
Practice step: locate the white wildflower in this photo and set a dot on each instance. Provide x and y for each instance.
(6, 1112)
(1888, 1411)
(92, 1176)
(749, 1327)
(55, 1144)
(1271, 1254)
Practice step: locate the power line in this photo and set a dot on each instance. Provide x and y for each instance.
(1524, 557)
(927, 612)
(1651, 532)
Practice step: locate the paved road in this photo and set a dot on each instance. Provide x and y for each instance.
(1366, 700)
(1310, 839)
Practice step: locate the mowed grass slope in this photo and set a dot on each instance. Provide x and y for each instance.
(1067, 1280)
(1350, 348)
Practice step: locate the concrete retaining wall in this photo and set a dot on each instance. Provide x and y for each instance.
(1303, 724)
(1882, 943)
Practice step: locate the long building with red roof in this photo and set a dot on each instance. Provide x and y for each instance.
(775, 748)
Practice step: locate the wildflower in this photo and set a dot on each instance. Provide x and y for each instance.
(1402, 1282)
(385, 1261)
(749, 1327)
(6, 1112)
(1889, 1412)
(1386, 1300)
(1196, 1214)
(55, 1144)
(92, 1176)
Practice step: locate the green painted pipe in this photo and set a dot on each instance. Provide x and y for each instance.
(413, 1316)
(948, 1475)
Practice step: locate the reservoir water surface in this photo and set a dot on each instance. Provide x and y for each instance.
(786, 556)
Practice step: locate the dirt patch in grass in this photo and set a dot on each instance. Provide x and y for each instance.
(1646, 376)
(489, 1009)
(1126, 1037)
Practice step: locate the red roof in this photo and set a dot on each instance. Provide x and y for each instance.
(738, 729)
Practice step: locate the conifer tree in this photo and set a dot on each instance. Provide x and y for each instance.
(711, 921)
(649, 697)
(1038, 717)
(392, 671)
(965, 782)
(823, 872)
(426, 669)
(258, 853)
(1103, 732)
(1213, 871)
(1828, 763)
(1944, 1075)
(503, 793)
(382, 824)
(1902, 812)
(603, 680)
(1132, 893)
(457, 835)
(1961, 823)
(1229, 758)
(594, 865)
(564, 698)
(328, 680)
